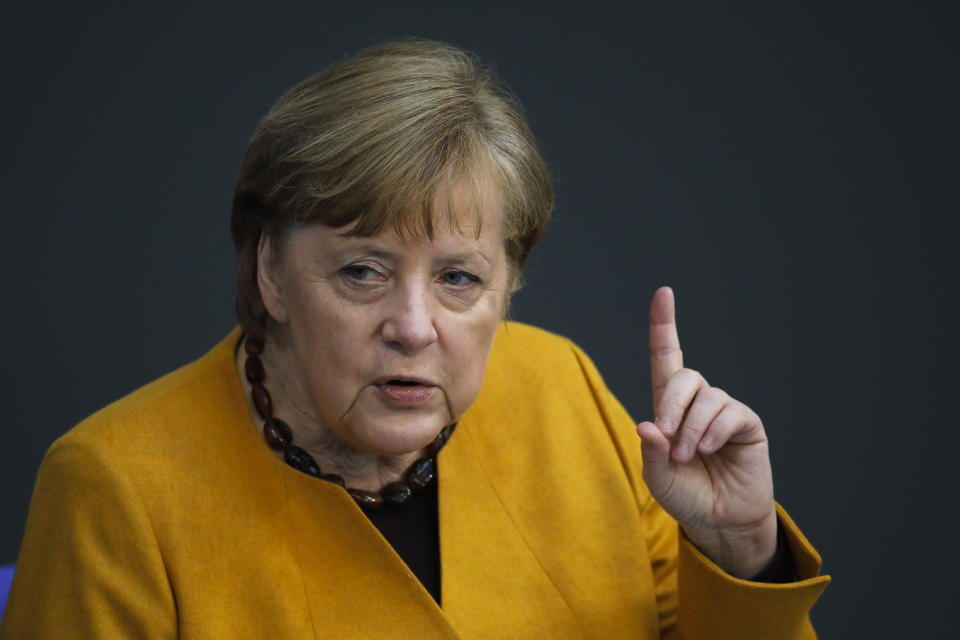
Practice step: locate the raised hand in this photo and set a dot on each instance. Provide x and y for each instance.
(705, 459)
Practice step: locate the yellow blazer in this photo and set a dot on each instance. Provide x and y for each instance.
(165, 515)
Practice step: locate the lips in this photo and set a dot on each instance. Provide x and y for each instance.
(404, 391)
(404, 381)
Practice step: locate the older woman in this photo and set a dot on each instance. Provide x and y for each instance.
(375, 452)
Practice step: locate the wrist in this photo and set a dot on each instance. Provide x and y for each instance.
(740, 551)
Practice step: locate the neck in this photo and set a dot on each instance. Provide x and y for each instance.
(360, 469)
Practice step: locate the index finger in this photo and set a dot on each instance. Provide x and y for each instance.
(665, 355)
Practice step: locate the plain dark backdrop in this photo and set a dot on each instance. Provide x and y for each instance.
(790, 170)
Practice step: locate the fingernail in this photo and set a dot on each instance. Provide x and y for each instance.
(665, 424)
(681, 451)
(707, 443)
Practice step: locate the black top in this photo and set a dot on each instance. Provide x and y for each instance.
(781, 567)
(413, 531)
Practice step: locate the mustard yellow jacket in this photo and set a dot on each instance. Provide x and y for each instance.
(164, 515)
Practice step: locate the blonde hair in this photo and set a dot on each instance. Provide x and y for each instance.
(374, 140)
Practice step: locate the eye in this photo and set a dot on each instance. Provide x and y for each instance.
(459, 278)
(361, 273)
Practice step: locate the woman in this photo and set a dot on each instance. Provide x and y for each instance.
(375, 452)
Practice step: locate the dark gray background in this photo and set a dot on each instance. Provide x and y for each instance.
(791, 171)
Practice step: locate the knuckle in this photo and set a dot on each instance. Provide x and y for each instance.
(721, 426)
(691, 374)
(715, 394)
(672, 403)
(694, 430)
(743, 410)
(663, 350)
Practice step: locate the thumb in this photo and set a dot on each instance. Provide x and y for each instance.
(655, 449)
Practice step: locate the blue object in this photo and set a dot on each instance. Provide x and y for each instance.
(6, 578)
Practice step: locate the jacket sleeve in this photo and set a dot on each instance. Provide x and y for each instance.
(89, 566)
(696, 600)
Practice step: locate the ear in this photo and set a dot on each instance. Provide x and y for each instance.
(269, 279)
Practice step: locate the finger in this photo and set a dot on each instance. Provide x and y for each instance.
(677, 396)
(707, 405)
(736, 424)
(655, 450)
(727, 422)
(665, 355)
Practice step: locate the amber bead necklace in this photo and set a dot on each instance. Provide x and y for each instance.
(421, 474)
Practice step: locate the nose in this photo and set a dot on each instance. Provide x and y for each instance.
(410, 323)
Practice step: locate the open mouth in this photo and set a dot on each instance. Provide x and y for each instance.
(405, 383)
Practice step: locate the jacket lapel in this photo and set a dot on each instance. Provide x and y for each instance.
(356, 585)
(492, 584)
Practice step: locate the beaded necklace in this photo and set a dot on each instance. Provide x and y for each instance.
(421, 474)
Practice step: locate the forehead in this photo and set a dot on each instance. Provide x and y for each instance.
(466, 209)
(476, 234)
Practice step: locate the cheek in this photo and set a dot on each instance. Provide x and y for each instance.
(331, 342)
(471, 362)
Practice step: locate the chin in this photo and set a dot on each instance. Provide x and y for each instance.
(398, 435)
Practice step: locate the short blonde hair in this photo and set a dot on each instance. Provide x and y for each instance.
(373, 140)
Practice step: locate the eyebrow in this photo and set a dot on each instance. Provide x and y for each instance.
(368, 249)
(376, 251)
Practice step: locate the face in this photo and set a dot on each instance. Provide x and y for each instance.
(388, 337)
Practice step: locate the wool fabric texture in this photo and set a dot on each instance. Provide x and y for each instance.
(165, 515)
